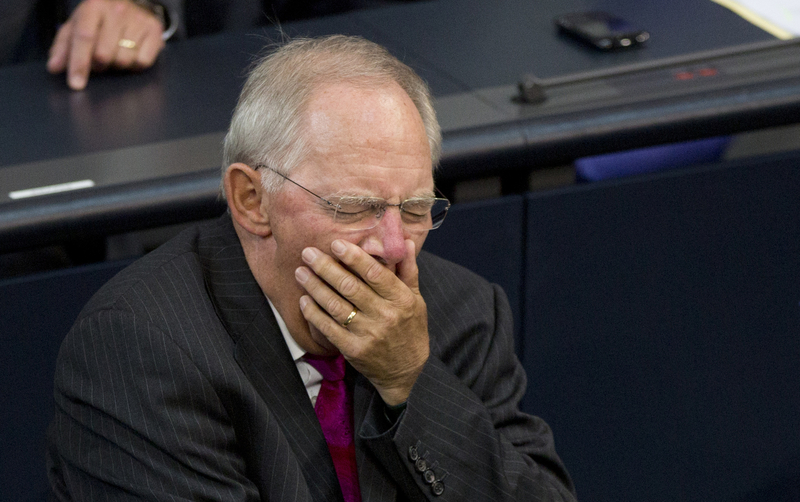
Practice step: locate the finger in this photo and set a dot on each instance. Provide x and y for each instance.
(407, 270)
(143, 28)
(126, 56)
(57, 62)
(375, 274)
(340, 337)
(329, 300)
(87, 19)
(135, 32)
(112, 30)
(344, 282)
(150, 49)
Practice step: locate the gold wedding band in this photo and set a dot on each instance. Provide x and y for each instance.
(350, 317)
(127, 43)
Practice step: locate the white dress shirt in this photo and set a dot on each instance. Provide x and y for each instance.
(311, 377)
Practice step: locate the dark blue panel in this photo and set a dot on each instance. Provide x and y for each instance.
(662, 317)
(37, 312)
(487, 238)
(651, 159)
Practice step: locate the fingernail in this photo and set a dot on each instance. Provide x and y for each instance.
(301, 274)
(309, 254)
(303, 302)
(77, 82)
(338, 246)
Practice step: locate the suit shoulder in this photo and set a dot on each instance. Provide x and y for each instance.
(434, 270)
(176, 262)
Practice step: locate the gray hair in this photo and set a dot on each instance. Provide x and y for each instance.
(266, 127)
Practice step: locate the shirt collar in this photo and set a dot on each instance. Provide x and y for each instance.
(295, 349)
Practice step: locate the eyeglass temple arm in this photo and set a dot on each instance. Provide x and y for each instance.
(258, 166)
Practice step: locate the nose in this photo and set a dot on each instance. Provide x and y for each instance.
(386, 241)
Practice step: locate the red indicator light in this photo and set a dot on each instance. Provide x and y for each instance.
(684, 75)
(707, 72)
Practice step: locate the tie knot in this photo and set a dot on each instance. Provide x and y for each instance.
(330, 367)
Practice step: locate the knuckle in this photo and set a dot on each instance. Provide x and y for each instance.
(348, 286)
(392, 316)
(406, 303)
(334, 307)
(84, 34)
(374, 271)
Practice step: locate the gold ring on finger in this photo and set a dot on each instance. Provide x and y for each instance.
(127, 43)
(350, 317)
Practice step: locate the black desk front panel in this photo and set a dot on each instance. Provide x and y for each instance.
(37, 313)
(661, 320)
(487, 237)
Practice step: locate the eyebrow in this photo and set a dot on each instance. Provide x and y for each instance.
(357, 199)
(361, 198)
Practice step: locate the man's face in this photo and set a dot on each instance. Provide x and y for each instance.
(365, 142)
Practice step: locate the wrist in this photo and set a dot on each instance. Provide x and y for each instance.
(397, 390)
(394, 397)
(168, 22)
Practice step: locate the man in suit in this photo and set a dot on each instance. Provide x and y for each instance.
(193, 372)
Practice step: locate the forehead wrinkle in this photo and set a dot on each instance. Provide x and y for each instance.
(369, 150)
(369, 184)
(352, 164)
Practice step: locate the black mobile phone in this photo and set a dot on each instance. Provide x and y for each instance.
(601, 30)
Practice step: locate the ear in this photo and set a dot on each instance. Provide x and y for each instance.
(245, 199)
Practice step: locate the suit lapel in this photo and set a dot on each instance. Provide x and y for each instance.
(266, 361)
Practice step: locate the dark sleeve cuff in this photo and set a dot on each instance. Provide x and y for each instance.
(168, 19)
(393, 413)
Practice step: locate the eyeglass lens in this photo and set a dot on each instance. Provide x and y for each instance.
(417, 214)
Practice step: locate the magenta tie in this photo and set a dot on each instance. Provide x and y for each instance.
(334, 410)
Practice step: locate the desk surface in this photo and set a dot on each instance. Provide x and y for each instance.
(150, 142)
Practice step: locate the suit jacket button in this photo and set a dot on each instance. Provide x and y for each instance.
(429, 476)
(421, 465)
(412, 453)
(437, 488)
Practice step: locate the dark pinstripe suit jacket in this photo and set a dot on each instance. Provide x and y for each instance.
(176, 384)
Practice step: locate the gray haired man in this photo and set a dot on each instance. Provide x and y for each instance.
(195, 373)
